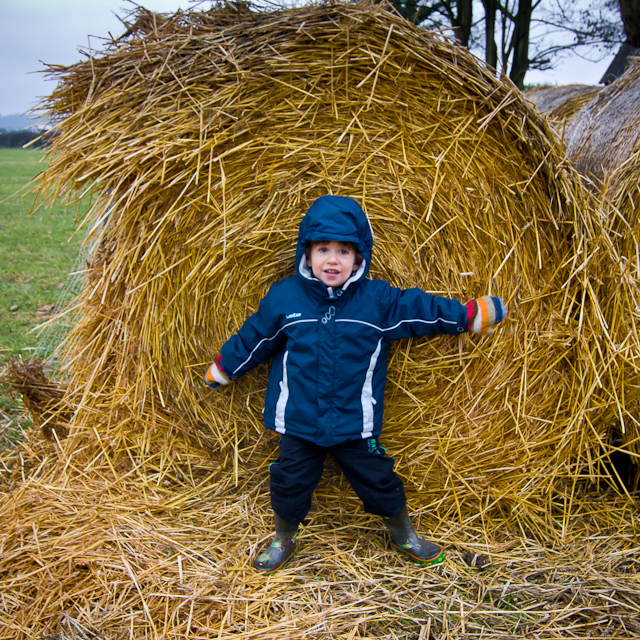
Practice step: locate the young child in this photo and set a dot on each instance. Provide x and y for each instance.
(327, 331)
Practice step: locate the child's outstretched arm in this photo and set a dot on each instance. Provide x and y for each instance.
(413, 312)
(257, 340)
(483, 313)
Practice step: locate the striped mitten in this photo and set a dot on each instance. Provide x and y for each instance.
(215, 375)
(484, 312)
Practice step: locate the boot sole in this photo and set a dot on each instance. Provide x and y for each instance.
(424, 562)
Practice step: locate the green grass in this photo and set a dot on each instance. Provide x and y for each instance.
(37, 252)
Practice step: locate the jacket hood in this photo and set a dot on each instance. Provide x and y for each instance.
(335, 218)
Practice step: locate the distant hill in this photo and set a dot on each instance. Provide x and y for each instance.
(16, 122)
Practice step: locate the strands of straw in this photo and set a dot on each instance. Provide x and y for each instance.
(619, 270)
(43, 398)
(206, 136)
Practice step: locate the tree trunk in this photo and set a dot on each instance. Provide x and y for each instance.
(520, 63)
(463, 21)
(490, 12)
(630, 14)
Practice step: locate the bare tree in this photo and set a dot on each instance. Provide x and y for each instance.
(417, 11)
(518, 35)
(515, 22)
(490, 14)
(462, 19)
(448, 14)
(630, 15)
(598, 26)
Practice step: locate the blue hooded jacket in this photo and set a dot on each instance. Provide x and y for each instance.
(329, 347)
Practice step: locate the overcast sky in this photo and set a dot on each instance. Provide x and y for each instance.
(51, 31)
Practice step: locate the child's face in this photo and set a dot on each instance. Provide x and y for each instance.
(332, 262)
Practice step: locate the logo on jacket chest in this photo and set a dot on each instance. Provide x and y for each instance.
(327, 316)
(293, 315)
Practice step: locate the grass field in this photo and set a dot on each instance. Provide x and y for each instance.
(37, 252)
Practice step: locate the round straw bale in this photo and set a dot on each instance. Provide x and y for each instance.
(548, 99)
(207, 135)
(604, 133)
(618, 277)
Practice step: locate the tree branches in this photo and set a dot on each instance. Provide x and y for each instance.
(517, 35)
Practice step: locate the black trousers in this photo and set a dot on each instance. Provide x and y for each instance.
(365, 464)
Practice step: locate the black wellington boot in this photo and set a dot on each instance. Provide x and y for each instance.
(406, 540)
(282, 548)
